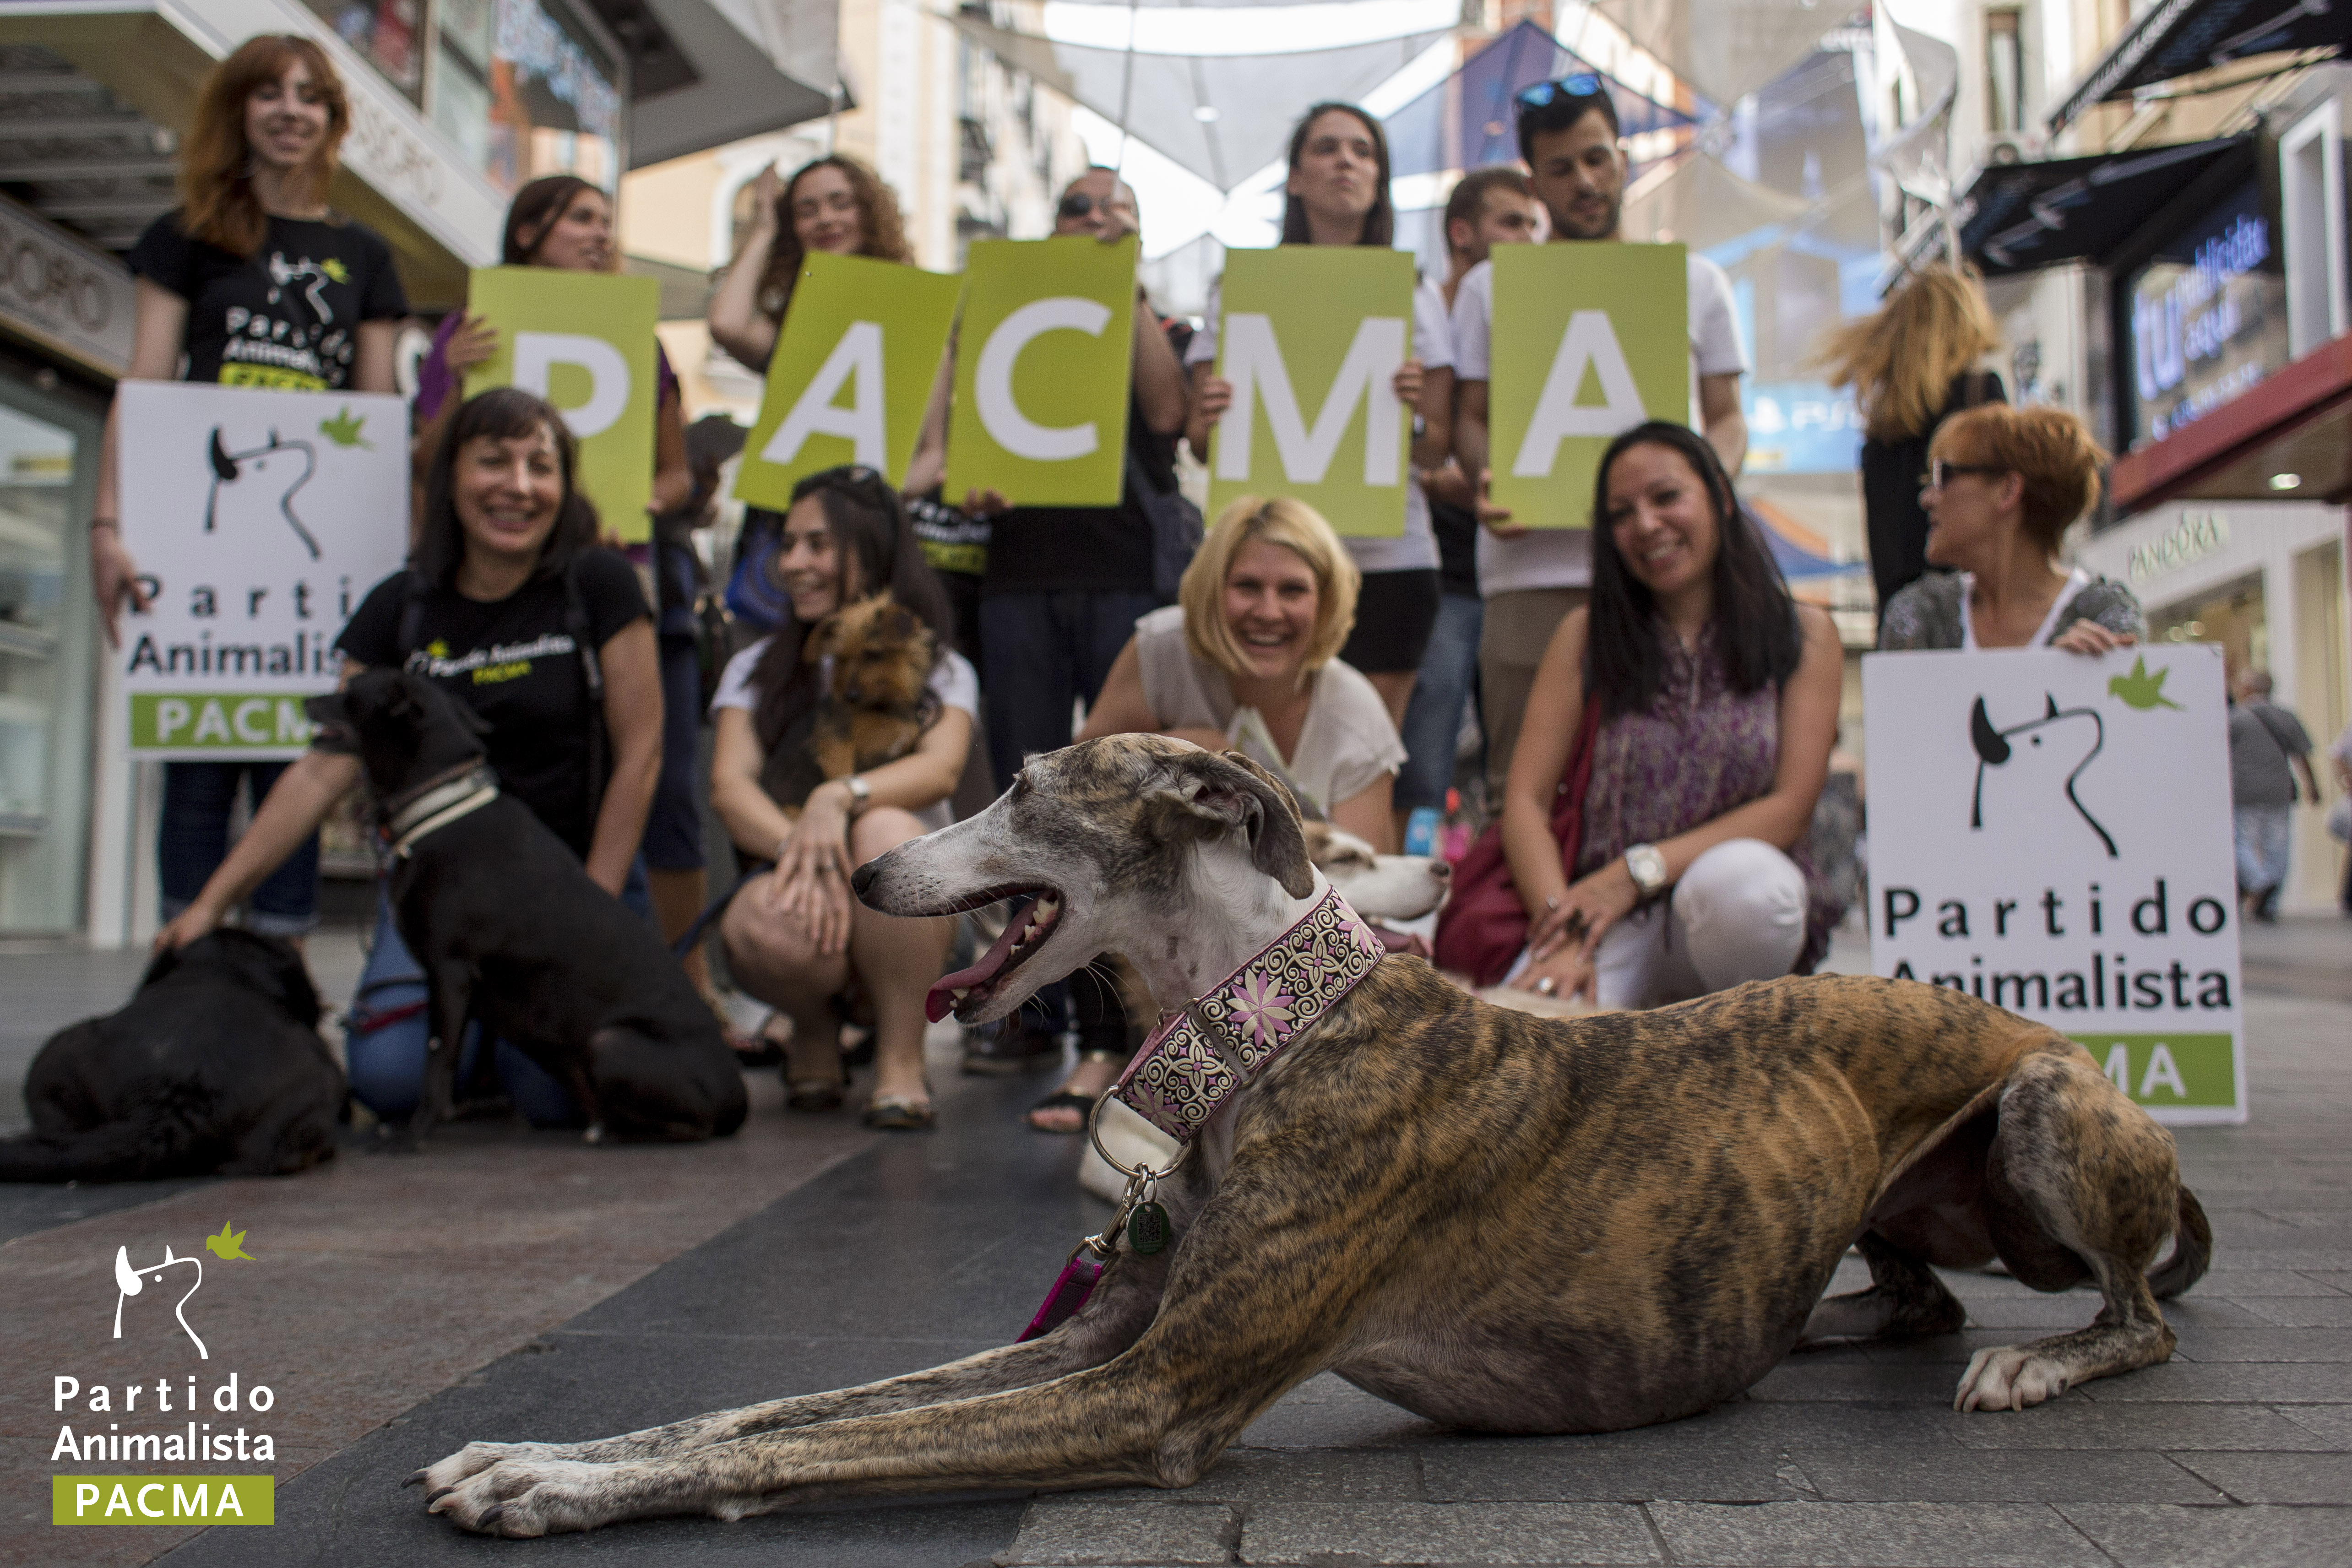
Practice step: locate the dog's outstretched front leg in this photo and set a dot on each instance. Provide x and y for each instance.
(449, 996)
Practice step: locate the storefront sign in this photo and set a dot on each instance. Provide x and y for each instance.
(258, 519)
(2051, 833)
(1590, 340)
(1042, 366)
(1311, 335)
(851, 375)
(584, 341)
(2195, 537)
(63, 293)
(2208, 317)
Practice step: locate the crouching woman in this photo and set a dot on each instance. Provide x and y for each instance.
(1676, 738)
(795, 937)
(514, 611)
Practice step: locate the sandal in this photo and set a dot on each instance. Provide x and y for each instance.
(1071, 1099)
(814, 1093)
(900, 1114)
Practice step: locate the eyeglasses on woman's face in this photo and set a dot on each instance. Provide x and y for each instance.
(1940, 473)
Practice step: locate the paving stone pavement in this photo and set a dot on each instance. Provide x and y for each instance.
(910, 1251)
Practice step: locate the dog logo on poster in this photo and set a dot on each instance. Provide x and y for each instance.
(128, 1283)
(2029, 761)
(260, 479)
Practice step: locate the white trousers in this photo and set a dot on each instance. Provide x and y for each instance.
(1737, 914)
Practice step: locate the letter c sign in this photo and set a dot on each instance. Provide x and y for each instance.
(999, 414)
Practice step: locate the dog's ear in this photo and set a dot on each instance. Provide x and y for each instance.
(1991, 746)
(1231, 790)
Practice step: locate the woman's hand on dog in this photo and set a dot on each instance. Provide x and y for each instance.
(811, 882)
(196, 919)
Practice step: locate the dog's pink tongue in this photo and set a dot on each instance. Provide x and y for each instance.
(939, 1000)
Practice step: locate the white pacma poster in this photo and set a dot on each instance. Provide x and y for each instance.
(258, 521)
(2053, 833)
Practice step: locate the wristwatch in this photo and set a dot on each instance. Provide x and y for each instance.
(1648, 869)
(860, 793)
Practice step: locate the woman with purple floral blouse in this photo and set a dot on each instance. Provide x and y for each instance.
(1717, 700)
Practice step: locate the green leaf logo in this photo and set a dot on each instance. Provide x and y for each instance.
(2141, 690)
(344, 430)
(228, 1244)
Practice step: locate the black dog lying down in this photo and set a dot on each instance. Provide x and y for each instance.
(509, 928)
(214, 1065)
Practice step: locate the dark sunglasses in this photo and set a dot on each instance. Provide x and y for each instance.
(850, 476)
(1078, 204)
(1544, 94)
(1938, 472)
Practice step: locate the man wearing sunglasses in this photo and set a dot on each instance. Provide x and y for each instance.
(1532, 578)
(1063, 590)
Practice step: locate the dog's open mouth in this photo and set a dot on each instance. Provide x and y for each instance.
(966, 990)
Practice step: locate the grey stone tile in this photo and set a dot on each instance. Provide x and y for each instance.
(2239, 1382)
(1875, 1383)
(2330, 1421)
(2212, 1345)
(2141, 1535)
(1608, 1469)
(1326, 1412)
(1872, 1535)
(2037, 1315)
(1996, 1475)
(2272, 1478)
(2238, 1285)
(2257, 1260)
(1083, 1530)
(2073, 1424)
(2303, 1311)
(1309, 1475)
(1479, 1532)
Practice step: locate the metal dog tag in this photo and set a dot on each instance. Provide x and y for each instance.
(1147, 1228)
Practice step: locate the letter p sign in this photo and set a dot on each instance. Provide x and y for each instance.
(536, 355)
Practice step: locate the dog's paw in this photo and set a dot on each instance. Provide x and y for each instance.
(2008, 1378)
(521, 1495)
(472, 1460)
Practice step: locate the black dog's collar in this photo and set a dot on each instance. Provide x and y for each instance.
(434, 807)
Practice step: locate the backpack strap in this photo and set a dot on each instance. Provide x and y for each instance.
(592, 669)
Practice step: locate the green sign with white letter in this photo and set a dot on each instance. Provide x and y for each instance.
(1320, 331)
(852, 373)
(1590, 340)
(1042, 367)
(584, 341)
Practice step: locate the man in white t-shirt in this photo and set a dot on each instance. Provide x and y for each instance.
(1531, 579)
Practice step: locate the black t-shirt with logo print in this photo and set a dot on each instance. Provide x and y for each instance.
(287, 317)
(515, 662)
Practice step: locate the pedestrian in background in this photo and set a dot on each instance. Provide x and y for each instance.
(1912, 365)
(2268, 747)
(258, 284)
(1532, 578)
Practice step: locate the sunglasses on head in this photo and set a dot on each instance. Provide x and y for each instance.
(1078, 204)
(1544, 94)
(1940, 472)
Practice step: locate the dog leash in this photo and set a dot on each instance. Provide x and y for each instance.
(1201, 1057)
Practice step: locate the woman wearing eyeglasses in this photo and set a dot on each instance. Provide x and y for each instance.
(2003, 485)
(1337, 194)
(795, 938)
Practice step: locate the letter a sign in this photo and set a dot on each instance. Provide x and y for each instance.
(851, 375)
(1042, 368)
(1589, 341)
(584, 341)
(1311, 340)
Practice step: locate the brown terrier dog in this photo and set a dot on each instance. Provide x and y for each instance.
(877, 701)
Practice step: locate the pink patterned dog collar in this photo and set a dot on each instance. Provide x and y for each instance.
(1195, 1061)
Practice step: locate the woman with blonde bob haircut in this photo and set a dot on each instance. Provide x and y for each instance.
(2003, 485)
(1912, 366)
(1247, 659)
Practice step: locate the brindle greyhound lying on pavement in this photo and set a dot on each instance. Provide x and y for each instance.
(1495, 1220)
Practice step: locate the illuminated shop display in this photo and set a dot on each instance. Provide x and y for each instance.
(2203, 319)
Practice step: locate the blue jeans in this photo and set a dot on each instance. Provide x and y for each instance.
(1043, 652)
(1432, 720)
(385, 1038)
(2262, 834)
(193, 839)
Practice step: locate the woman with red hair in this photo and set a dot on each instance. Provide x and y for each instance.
(253, 282)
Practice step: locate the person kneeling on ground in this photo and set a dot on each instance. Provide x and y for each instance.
(1701, 703)
(795, 938)
(508, 559)
(1248, 658)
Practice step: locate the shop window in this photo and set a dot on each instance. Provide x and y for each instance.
(2203, 319)
(2311, 193)
(2230, 616)
(523, 88)
(2005, 71)
(384, 33)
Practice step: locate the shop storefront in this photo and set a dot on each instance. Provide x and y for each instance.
(65, 334)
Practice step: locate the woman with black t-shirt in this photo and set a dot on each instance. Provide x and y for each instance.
(256, 283)
(510, 599)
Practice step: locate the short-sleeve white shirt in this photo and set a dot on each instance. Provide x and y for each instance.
(1562, 557)
(1433, 344)
(953, 680)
